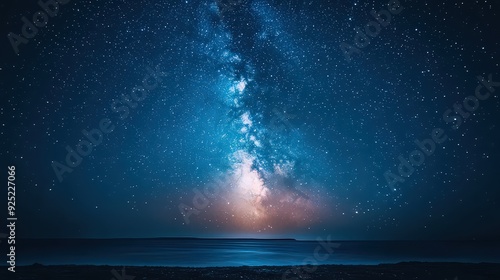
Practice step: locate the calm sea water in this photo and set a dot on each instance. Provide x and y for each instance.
(237, 252)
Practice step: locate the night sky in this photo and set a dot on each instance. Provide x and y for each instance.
(252, 118)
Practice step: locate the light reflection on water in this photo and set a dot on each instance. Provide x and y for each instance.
(223, 252)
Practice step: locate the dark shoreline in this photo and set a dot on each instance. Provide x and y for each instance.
(407, 270)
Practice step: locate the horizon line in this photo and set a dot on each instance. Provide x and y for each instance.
(258, 238)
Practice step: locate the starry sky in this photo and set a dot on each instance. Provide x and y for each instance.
(252, 118)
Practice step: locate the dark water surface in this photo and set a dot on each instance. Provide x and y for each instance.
(238, 252)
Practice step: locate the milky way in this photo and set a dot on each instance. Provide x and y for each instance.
(261, 190)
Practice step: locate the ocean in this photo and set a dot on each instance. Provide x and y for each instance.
(246, 252)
